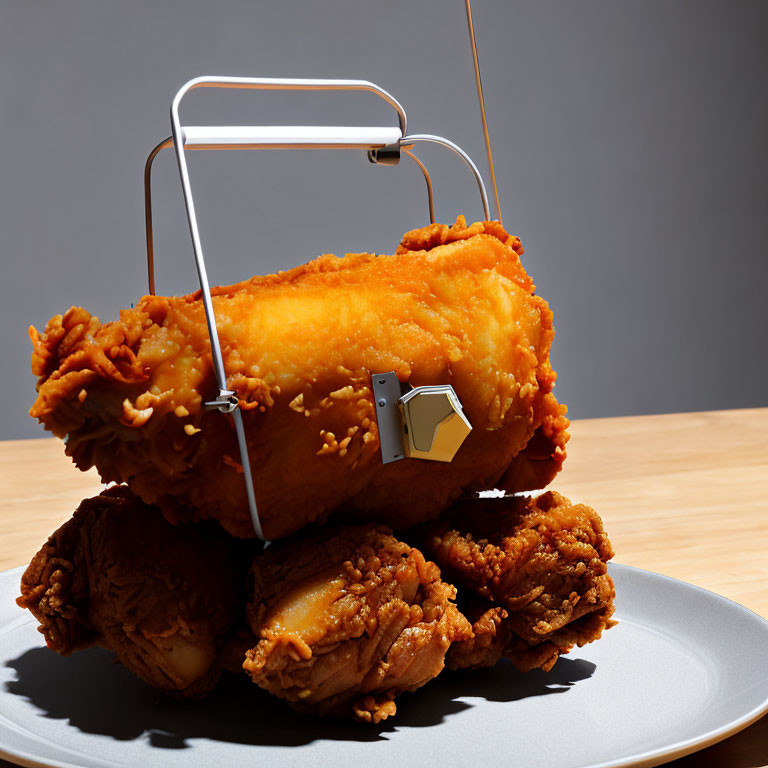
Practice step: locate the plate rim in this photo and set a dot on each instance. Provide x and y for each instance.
(689, 746)
(647, 759)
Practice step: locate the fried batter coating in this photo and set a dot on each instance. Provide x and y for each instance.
(453, 306)
(534, 573)
(493, 638)
(347, 621)
(162, 597)
(542, 458)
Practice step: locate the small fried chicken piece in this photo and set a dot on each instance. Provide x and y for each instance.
(162, 597)
(493, 638)
(533, 573)
(345, 621)
(454, 306)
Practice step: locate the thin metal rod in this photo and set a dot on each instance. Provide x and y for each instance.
(148, 211)
(427, 179)
(210, 318)
(408, 141)
(247, 476)
(189, 203)
(295, 84)
(479, 84)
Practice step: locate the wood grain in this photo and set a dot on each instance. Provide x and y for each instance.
(685, 495)
(39, 489)
(682, 494)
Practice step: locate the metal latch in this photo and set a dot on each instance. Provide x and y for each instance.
(418, 422)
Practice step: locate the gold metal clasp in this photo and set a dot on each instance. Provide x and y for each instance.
(418, 423)
(434, 423)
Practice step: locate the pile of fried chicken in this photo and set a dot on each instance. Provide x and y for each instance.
(377, 576)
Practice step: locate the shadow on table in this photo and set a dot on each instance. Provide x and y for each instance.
(98, 696)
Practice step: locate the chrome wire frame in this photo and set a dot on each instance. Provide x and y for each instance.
(409, 141)
(148, 223)
(226, 401)
(406, 145)
(427, 179)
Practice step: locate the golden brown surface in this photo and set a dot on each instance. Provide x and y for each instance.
(120, 576)
(454, 306)
(347, 621)
(536, 570)
(492, 638)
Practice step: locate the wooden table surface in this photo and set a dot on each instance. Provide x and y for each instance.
(685, 495)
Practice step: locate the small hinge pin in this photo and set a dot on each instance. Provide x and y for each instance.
(226, 402)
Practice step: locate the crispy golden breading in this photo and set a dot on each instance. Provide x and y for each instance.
(493, 638)
(453, 306)
(346, 621)
(542, 458)
(534, 573)
(162, 597)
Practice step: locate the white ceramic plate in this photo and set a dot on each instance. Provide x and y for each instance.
(677, 673)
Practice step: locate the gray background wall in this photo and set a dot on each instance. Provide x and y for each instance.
(630, 141)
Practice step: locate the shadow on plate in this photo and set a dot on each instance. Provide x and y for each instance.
(98, 696)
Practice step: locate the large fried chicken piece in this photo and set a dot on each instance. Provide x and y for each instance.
(453, 305)
(346, 621)
(532, 576)
(164, 598)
